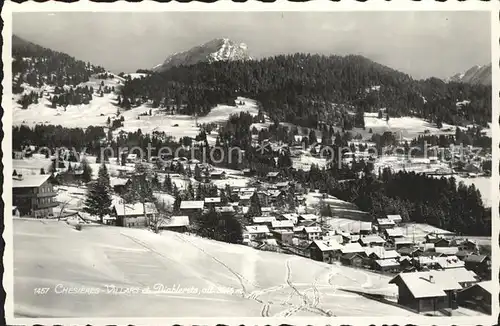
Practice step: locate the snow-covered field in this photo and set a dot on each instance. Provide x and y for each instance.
(178, 125)
(340, 208)
(244, 282)
(407, 127)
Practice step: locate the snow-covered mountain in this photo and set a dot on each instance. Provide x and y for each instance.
(221, 49)
(475, 75)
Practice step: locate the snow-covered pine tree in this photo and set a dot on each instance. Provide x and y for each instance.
(98, 199)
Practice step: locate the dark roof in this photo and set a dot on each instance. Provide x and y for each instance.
(351, 255)
(462, 253)
(408, 250)
(431, 254)
(475, 258)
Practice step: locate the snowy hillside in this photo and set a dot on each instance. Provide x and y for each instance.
(215, 50)
(180, 271)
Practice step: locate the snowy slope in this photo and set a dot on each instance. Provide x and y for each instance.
(221, 49)
(244, 282)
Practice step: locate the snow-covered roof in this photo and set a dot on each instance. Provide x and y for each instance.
(192, 204)
(371, 239)
(446, 250)
(461, 275)
(263, 219)
(394, 233)
(403, 241)
(387, 262)
(212, 199)
(309, 217)
(381, 253)
(29, 181)
(384, 221)
(257, 229)
(291, 216)
(327, 245)
(395, 218)
(225, 209)
(312, 229)
(351, 247)
(174, 221)
(245, 197)
(118, 181)
(273, 174)
(134, 209)
(450, 262)
(247, 190)
(282, 224)
(427, 284)
(217, 172)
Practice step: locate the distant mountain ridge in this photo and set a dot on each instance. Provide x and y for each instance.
(221, 49)
(475, 75)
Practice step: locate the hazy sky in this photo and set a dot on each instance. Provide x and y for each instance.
(421, 44)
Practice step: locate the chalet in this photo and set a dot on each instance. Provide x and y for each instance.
(33, 195)
(331, 236)
(477, 297)
(409, 251)
(427, 246)
(217, 175)
(387, 265)
(426, 291)
(284, 236)
(282, 225)
(263, 220)
(393, 233)
(402, 242)
(323, 250)
(395, 218)
(449, 262)
(385, 223)
(248, 172)
(178, 223)
(212, 201)
(282, 185)
(371, 240)
(272, 176)
(312, 232)
(467, 245)
(308, 217)
(191, 208)
(353, 259)
(133, 215)
(266, 211)
(276, 196)
(255, 232)
(15, 212)
(225, 210)
(425, 262)
(440, 242)
(17, 155)
(263, 198)
(461, 254)
(132, 158)
(378, 253)
(119, 185)
(351, 248)
(244, 199)
(480, 264)
(447, 251)
(291, 217)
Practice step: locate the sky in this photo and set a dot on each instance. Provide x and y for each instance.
(421, 44)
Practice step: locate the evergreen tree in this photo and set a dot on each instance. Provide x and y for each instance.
(98, 200)
(255, 208)
(87, 171)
